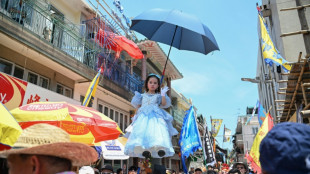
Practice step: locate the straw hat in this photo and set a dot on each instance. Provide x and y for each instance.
(45, 139)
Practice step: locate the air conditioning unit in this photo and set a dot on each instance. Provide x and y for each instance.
(266, 12)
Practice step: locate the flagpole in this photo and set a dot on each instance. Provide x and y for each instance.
(211, 124)
(223, 135)
(197, 128)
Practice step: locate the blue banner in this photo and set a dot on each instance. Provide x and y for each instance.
(190, 139)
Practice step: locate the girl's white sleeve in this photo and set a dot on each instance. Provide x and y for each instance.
(136, 100)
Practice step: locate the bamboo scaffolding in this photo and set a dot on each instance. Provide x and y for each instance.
(295, 32)
(297, 86)
(304, 93)
(295, 8)
(282, 81)
(279, 100)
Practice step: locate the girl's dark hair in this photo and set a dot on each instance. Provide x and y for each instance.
(147, 80)
(234, 171)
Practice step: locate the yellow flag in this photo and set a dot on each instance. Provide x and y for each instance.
(270, 53)
(215, 126)
(262, 132)
(90, 94)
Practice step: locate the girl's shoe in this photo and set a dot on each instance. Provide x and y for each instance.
(161, 153)
(146, 154)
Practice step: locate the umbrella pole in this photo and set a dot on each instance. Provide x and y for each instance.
(163, 74)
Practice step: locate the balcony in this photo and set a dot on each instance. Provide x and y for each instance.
(40, 27)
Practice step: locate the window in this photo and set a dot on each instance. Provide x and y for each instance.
(32, 78)
(81, 99)
(100, 107)
(18, 72)
(63, 90)
(126, 121)
(121, 123)
(43, 82)
(117, 165)
(12, 69)
(112, 114)
(254, 130)
(37, 79)
(116, 116)
(60, 89)
(68, 92)
(6, 67)
(106, 111)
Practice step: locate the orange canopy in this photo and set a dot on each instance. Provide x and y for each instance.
(83, 124)
(118, 43)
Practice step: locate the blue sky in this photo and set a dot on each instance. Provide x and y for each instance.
(213, 81)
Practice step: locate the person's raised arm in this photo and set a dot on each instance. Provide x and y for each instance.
(163, 92)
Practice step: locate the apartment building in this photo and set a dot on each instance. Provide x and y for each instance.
(247, 127)
(50, 51)
(288, 24)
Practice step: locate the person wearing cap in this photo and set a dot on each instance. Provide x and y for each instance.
(243, 168)
(286, 149)
(107, 169)
(46, 149)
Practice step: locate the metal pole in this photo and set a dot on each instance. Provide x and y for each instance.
(163, 74)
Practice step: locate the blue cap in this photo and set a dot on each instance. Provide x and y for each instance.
(285, 149)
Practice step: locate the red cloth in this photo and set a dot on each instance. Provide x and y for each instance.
(118, 43)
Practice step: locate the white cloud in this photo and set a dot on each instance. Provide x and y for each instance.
(192, 83)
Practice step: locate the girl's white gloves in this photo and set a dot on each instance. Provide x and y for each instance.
(164, 90)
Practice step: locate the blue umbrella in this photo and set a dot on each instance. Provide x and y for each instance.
(177, 29)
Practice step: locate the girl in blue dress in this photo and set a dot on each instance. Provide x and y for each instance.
(151, 130)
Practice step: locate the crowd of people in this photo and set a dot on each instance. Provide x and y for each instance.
(46, 149)
(236, 168)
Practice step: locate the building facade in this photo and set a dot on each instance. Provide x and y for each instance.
(246, 130)
(53, 47)
(288, 24)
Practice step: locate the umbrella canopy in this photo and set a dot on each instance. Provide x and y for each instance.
(9, 129)
(84, 124)
(118, 43)
(173, 27)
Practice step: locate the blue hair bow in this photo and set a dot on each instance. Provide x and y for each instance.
(152, 74)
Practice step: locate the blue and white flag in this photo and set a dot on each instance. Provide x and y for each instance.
(253, 112)
(190, 139)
